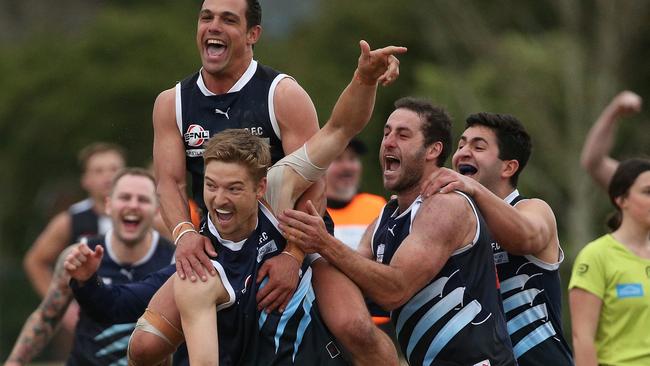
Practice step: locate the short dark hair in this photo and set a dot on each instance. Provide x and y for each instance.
(98, 148)
(133, 171)
(624, 177)
(253, 13)
(513, 140)
(436, 124)
(239, 146)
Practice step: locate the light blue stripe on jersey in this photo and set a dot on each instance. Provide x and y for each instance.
(296, 300)
(455, 325)
(520, 299)
(121, 362)
(115, 329)
(516, 282)
(117, 346)
(304, 322)
(535, 337)
(263, 314)
(424, 296)
(527, 317)
(434, 314)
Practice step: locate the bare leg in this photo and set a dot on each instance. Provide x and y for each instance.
(147, 348)
(345, 313)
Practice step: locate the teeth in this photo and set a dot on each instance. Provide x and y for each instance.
(216, 42)
(131, 217)
(224, 212)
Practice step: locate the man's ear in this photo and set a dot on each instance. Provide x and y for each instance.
(261, 189)
(253, 35)
(434, 150)
(509, 168)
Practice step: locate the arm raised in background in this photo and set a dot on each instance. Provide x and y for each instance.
(527, 228)
(417, 261)
(595, 157)
(43, 322)
(41, 257)
(169, 165)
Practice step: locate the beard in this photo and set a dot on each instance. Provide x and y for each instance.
(412, 171)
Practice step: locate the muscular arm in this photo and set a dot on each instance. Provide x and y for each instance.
(527, 228)
(585, 312)
(196, 304)
(43, 322)
(169, 165)
(418, 260)
(41, 257)
(600, 139)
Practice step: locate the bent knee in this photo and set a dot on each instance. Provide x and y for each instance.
(153, 340)
(353, 328)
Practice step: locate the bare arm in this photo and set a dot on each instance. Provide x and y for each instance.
(41, 257)
(600, 139)
(585, 313)
(169, 165)
(43, 322)
(354, 107)
(418, 260)
(527, 228)
(196, 303)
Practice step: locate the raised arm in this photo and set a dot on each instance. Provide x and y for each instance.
(354, 107)
(595, 157)
(43, 322)
(169, 165)
(527, 228)
(41, 257)
(417, 261)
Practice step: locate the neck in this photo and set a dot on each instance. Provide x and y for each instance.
(131, 253)
(407, 197)
(632, 234)
(502, 190)
(222, 82)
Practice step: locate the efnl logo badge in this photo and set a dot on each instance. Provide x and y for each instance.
(626, 290)
(196, 135)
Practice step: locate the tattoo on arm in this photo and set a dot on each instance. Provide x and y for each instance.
(43, 322)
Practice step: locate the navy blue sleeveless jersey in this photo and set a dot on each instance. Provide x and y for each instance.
(250, 337)
(200, 114)
(532, 301)
(99, 342)
(85, 223)
(457, 318)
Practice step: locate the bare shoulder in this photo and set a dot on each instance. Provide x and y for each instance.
(538, 207)
(164, 108)
(448, 217)
(295, 113)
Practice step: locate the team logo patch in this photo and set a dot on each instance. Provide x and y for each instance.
(583, 268)
(196, 135)
(501, 257)
(333, 350)
(380, 252)
(626, 290)
(265, 249)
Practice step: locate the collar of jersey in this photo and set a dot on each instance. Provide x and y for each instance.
(509, 198)
(108, 243)
(232, 245)
(243, 80)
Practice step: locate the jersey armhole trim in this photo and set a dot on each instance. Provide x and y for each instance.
(226, 285)
(272, 117)
(478, 227)
(179, 108)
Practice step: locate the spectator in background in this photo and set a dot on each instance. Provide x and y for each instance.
(133, 251)
(99, 162)
(600, 139)
(352, 211)
(609, 291)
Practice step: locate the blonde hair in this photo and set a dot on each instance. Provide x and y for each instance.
(239, 146)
